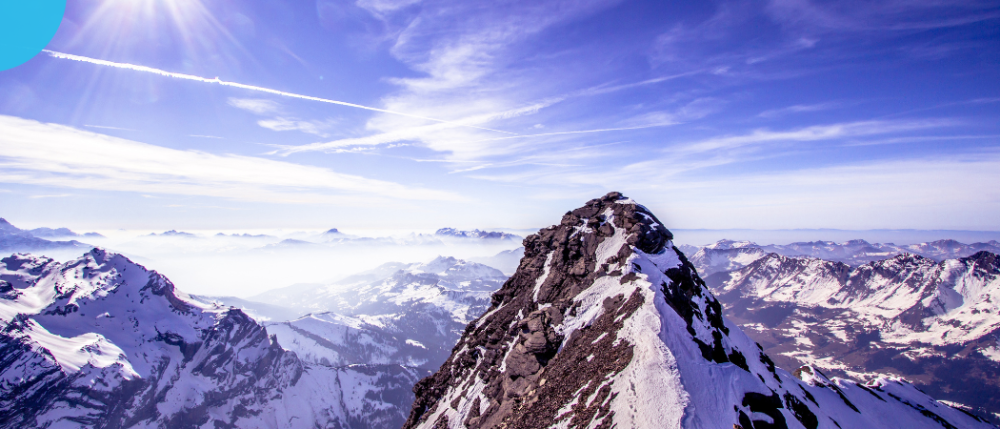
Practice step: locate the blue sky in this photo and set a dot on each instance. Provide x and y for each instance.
(767, 115)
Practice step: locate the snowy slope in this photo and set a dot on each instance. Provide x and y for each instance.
(408, 314)
(933, 322)
(100, 341)
(606, 324)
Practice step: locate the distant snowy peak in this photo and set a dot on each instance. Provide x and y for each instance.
(730, 244)
(947, 302)
(244, 235)
(484, 235)
(456, 269)
(60, 233)
(14, 239)
(173, 233)
(409, 314)
(606, 324)
(445, 283)
(709, 261)
(100, 341)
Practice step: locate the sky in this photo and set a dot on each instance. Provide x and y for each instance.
(420, 114)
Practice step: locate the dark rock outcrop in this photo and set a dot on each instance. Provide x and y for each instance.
(606, 324)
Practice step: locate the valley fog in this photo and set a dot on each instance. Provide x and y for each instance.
(245, 263)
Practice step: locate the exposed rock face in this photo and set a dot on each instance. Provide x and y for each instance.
(606, 324)
(935, 323)
(101, 342)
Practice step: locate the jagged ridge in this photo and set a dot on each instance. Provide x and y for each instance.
(102, 342)
(605, 323)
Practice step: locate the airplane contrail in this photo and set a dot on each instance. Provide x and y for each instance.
(218, 81)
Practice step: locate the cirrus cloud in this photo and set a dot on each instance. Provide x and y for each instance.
(38, 153)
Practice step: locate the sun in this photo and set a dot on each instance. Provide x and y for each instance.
(187, 30)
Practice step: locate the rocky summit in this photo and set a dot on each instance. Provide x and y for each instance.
(606, 323)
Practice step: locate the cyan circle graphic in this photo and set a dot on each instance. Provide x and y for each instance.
(26, 26)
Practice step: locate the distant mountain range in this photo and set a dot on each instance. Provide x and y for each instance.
(934, 322)
(102, 342)
(408, 314)
(606, 324)
(727, 255)
(60, 233)
(482, 235)
(14, 239)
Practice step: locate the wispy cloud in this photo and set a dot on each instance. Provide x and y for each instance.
(799, 108)
(35, 197)
(287, 124)
(919, 139)
(54, 155)
(812, 133)
(218, 81)
(255, 105)
(415, 133)
(105, 127)
(680, 159)
(202, 136)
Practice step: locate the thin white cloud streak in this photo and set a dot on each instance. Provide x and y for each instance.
(427, 131)
(36, 197)
(285, 124)
(918, 139)
(36, 153)
(254, 105)
(414, 133)
(103, 127)
(564, 133)
(605, 89)
(687, 157)
(557, 158)
(798, 108)
(218, 81)
(813, 133)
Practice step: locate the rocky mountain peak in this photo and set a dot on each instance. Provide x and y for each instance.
(606, 323)
(986, 260)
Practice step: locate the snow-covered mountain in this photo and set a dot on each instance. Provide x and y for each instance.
(14, 239)
(100, 341)
(936, 323)
(728, 255)
(606, 324)
(720, 257)
(476, 234)
(60, 233)
(409, 314)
